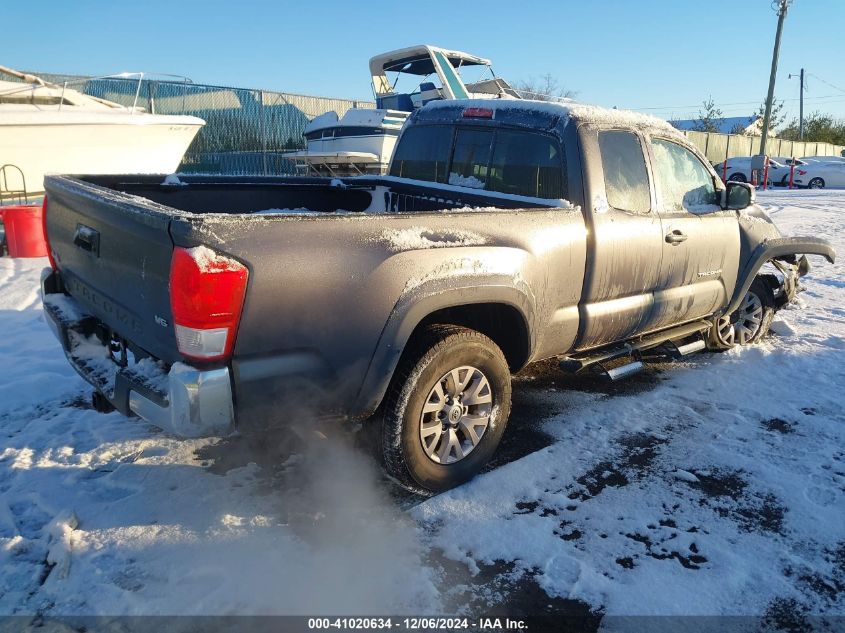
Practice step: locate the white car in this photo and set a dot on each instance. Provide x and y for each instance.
(739, 169)
(820, 175)
(787, 162)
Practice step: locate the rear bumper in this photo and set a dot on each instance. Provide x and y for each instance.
(182, 399)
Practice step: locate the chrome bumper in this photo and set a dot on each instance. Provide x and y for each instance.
(198, 403)
(183, 400)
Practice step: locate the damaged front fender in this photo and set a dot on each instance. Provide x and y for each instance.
(778, 248)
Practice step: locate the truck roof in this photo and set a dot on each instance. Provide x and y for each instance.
(563, 109)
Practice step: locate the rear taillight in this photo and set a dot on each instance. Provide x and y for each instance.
(44, 231)
(801, 172)
(206, 298)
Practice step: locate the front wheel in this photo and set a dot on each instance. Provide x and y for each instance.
(446, 409)
(749, 323)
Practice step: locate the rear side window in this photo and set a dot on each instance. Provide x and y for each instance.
(471, 158)
(423, 153)
(625, 176)
(527, 164)
(683, 181)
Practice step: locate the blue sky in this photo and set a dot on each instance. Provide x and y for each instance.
(662, 55)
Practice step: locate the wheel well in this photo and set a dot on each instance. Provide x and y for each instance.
(502, 323)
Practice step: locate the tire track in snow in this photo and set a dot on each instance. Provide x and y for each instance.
(7, 271)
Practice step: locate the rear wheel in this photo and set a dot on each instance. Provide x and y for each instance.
(738, 177)
(749, 323)
(446, 409)
(816, 183)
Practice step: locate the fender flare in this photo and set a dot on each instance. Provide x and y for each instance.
(410, 310)
(772, 249)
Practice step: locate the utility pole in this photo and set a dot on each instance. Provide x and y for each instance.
(782, 8)
(801, 109)
(800, 106)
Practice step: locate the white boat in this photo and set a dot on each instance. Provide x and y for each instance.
(361, 142)
(46, 128)
(358, 143)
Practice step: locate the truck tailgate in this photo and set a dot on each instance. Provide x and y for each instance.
(113, 251)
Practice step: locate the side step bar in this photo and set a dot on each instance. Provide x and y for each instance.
(576, 363)
(679, 351)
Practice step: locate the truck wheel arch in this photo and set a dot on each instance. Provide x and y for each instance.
(503, 313)
(773, 249)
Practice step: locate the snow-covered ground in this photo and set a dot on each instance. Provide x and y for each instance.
(716, 486)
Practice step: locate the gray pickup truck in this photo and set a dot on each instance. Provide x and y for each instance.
(506, 232)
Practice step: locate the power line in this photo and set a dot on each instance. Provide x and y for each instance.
(733, 103)
(826, 82)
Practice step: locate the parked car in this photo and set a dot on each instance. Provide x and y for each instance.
(404, 301)
(787, 161)
(739, 169)
(818, 175)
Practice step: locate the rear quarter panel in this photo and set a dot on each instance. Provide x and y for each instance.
(329, 291)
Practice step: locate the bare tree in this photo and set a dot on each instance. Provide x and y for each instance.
(777, 117)
(709, 118)
(546, 88)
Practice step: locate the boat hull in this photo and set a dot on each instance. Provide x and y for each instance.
(130, 144)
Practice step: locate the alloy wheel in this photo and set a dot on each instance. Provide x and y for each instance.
(744, 324)
(456, 415)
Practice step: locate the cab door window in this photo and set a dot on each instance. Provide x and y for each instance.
(683, 182)
(625, 175)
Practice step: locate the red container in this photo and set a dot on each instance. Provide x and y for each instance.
(24, 234)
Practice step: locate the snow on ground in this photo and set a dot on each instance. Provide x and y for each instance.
(719, 490)
(100, 514)
(715, 486)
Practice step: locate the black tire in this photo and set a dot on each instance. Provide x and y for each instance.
(759, 294)
(816, 183)
(431, 356)
(738, 177)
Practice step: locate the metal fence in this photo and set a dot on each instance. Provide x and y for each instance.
(246, 130)
(718, 147)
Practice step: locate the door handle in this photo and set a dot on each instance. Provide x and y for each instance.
(676, 237)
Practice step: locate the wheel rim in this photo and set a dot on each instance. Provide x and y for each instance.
(815, 183)
(744, 324)
(456, 415)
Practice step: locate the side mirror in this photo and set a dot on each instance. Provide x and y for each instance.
(738, 195)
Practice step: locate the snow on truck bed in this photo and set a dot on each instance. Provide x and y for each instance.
(715, 486)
